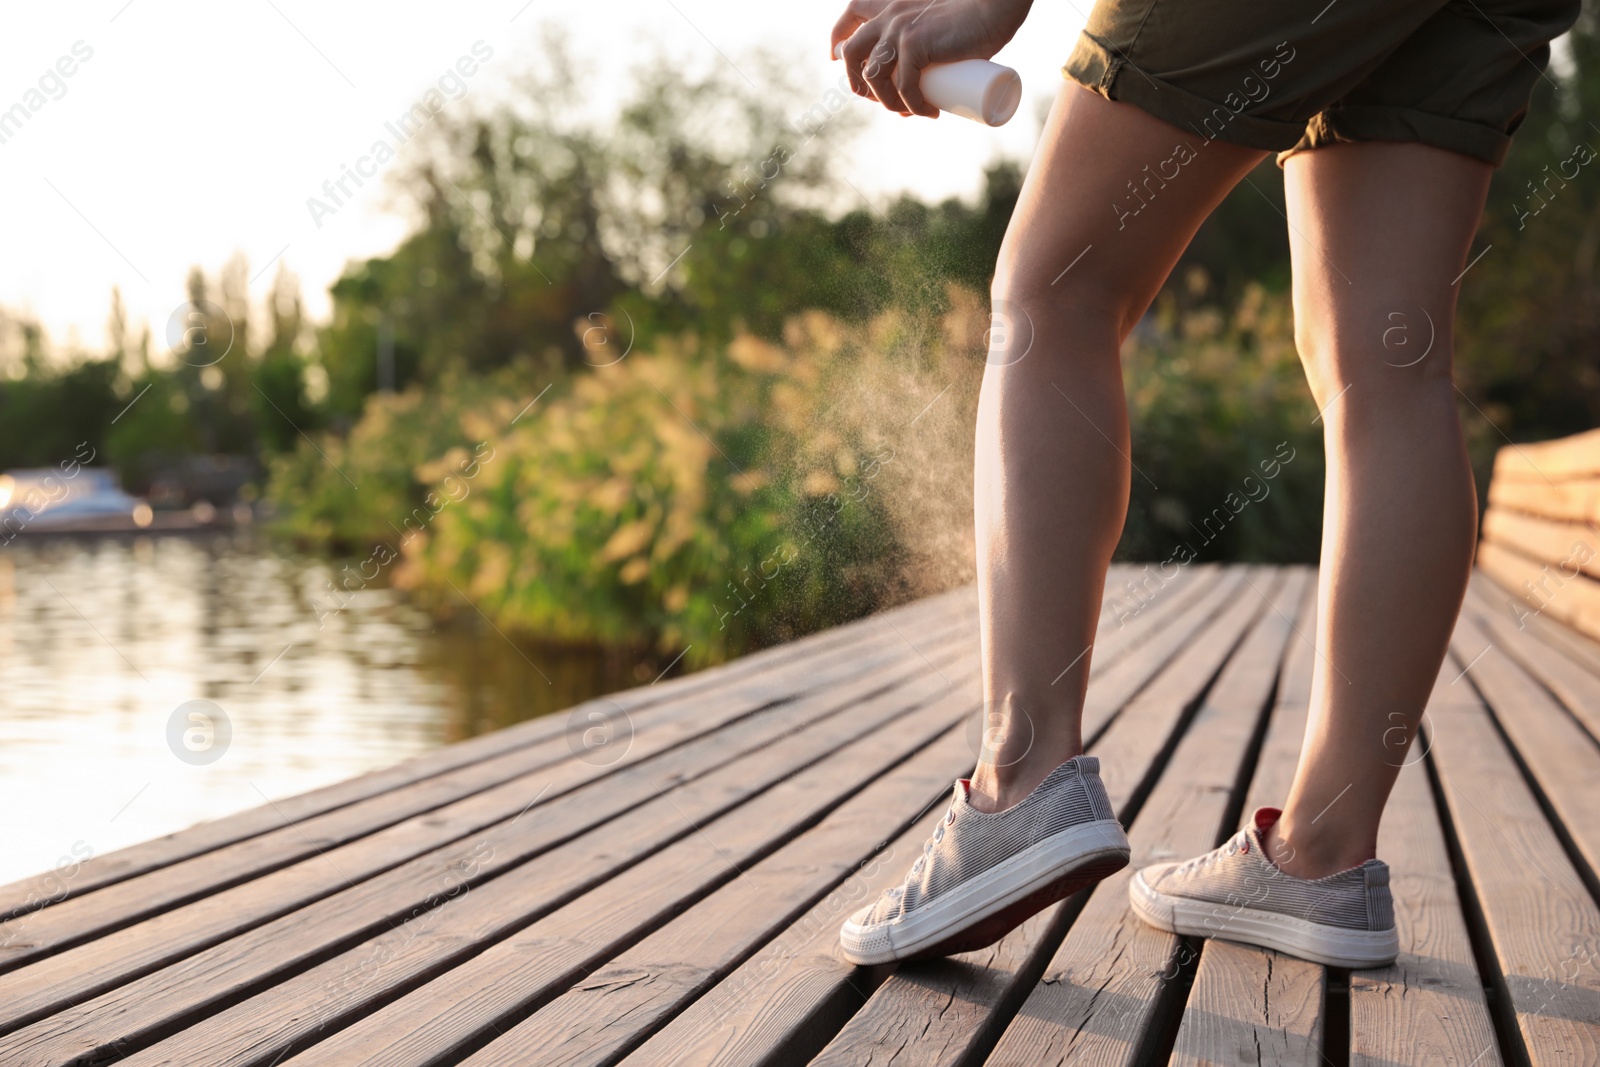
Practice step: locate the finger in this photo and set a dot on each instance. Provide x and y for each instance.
(855, 13)
(856, 52)
(908, 82)
(878, 71)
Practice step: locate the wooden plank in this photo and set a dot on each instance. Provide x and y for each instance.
(1494, 598)
(783, 1003)
(1575, 683)
(656, 979)
(1134, 590)
(1428, 1007)
(528, 970)
(610, 1012)
(1542, 589)
(1541, 922)
(730, 957)
(1578, 647)
(1103, 991)
(779, 1006)
(947, 1014)
(296, 1011)
(279, 1017)
(1563, 759)
(683, 694)
(1574, 501)
(1112, 691)
(40, 934)
(415, 857)
(810, 984)
(1572, 546)
(341, 833)
(1251, 1005)
(1254, 1007)
(1280, 746)
(1124, 647)
(1565, 457)
(426, 889)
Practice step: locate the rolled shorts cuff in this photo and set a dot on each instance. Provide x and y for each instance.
(1368, 122)
(1095, 66)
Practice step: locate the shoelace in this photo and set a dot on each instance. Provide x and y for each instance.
(927, 853)
(1240, 842)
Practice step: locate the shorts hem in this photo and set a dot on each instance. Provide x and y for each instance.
(1094, 66)
(1373, 122)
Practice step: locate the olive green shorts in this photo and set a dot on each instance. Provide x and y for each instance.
(1286, 75)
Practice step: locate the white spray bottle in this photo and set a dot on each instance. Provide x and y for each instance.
(975, 89)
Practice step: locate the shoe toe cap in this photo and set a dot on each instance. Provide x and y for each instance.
(865, 942)
(1154, 872)
(1148, 878)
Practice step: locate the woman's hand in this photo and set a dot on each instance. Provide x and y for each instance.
(888, 42)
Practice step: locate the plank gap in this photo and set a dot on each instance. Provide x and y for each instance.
(497, 1027)
(1535, 672)
(1502, 1012)
(994, 1027)
(1163, 1038)
(114, 1051)
(1158, 765)
(1575, 856)
(1336, 1018)
(1233, 814)
(229, 830)
(523, 1010)
(1172, 1000)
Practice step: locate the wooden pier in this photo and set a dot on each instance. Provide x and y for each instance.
(659, 877)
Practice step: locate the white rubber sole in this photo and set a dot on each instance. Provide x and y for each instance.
(1331, 946)
(955, 922)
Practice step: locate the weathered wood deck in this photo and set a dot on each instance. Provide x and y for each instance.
(659, 879)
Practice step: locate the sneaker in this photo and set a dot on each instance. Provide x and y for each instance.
(1236, 893)
(982, 874)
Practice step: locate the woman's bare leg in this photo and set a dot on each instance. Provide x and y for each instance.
(1379, 234)
(1111, 200)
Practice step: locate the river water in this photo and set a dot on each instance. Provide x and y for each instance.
(107, 645)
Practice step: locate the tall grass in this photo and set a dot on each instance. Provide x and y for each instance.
(715, 498)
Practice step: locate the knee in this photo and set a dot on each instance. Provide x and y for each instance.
(1372, 348)
(1063, 304)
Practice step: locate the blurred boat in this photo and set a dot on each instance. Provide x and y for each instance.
(50, 500)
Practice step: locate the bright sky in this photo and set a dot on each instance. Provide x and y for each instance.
(188, 130)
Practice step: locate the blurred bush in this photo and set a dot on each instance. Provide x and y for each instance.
(1229, 460)
(708, 497)
(718, 497)
(346, 492)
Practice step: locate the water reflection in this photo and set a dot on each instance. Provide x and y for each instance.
(103, 639)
